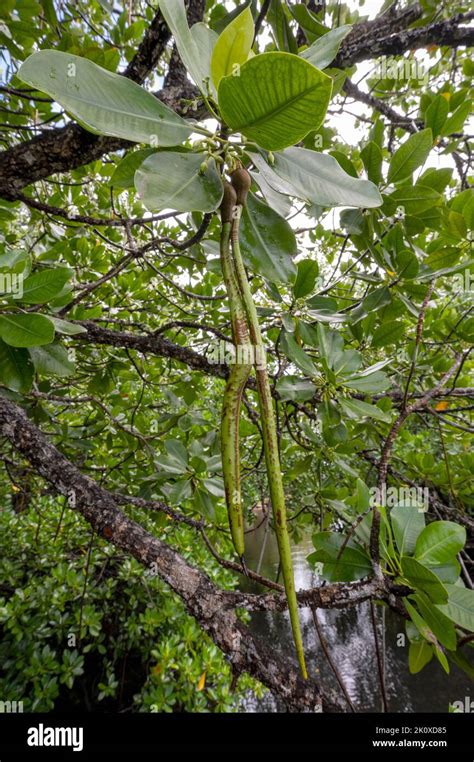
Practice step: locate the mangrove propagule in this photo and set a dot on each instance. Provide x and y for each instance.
(242, 305)
(236, 381)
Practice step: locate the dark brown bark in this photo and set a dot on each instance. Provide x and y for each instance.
(212, 607)
(65, 148)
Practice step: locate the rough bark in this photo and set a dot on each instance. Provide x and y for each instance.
(65, 148)
(211, 606)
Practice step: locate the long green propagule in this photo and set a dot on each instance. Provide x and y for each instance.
(241, 182)
(239, 373)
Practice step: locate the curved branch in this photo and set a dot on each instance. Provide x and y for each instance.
(208, 604)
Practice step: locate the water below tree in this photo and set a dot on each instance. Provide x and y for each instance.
(350, 637)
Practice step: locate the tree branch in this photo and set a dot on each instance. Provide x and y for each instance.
(204, 601)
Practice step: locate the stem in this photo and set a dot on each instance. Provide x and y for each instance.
(270, 443)
(238, 376)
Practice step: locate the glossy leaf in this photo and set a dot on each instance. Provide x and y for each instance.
(64, 326)
(276, 99)
(354, 563)
(411, 155)
(325, 48)
(16, 368)
(124, 173)
(372, 157)
(460, 606)
(440, 542)
(407, 523)
(294, 388)
(104, 102)
(26, 330)
(419, 655)
(43, 286)
(319, 179)
(438, 622)
(268, 242)
(296, 354)
(195, 56)
(52, 360)
(308, 270)
(170, 180)
(375, 382)
(419, 576)
(233, 46)
(436, 113)
(360, 409)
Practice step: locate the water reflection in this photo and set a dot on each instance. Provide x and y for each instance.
(350, 638)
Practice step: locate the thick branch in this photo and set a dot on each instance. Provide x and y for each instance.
(203, 600)
(450, 33)
(69, 147)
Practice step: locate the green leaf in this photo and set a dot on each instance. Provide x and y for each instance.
(104, 102)
(353, 564)
(411, 155)
(345, 362)
(436, 113)
(407, 523)
(372, 157)
(205, 39)
(294, 388)
(280, 203)
(388, 333)
(463, 663)
(308, 270)
(319, 179)
(276, 99)
(441, 656)
(375, 382)
(439, 624)
(420, 624)
(377, 299)
(189, 42)
(124, 173)
(419, 576)
(419, 655)
(44, 286)
(233, 46)
(407, 264)
(360, 409)
(296, 354)
(439, 543)
(26, 330)
(308, 21)
(352, 220)
(171, 180)
(415, 198)
(447, 572)
(268, 242)
(65, 327)
(460, 606)
(16, 368)
(330, 343)
(455, 122)
(177, 450)
(52, 360)
(325, 48)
